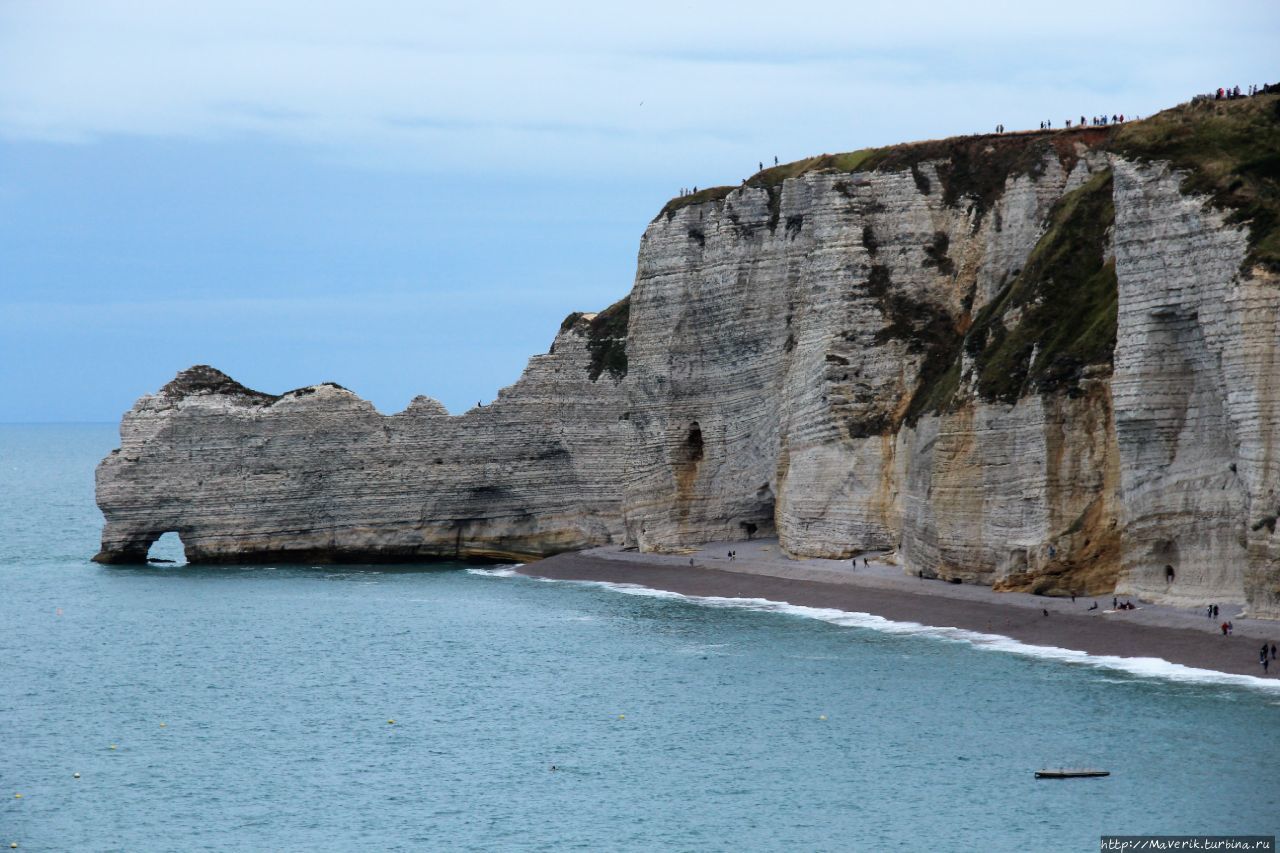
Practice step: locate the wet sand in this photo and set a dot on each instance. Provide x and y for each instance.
(1179, 636)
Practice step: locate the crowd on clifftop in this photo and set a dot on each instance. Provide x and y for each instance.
(1226, 93)
(1096, 121)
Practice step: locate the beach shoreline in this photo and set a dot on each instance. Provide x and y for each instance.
(1174, 635)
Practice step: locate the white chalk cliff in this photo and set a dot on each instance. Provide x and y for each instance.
(1039, 361)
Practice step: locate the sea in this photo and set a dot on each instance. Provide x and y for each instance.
(447, 707)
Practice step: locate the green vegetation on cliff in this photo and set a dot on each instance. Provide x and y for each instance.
(1058, 314)
(1056, 317)
(1064, 300)
(972, 167)
(1230, 151)
(607, 340)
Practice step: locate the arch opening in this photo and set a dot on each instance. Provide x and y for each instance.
(167, 549)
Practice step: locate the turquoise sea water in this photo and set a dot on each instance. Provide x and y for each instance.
(673, 725)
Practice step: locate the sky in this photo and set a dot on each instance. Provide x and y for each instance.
(407, 197)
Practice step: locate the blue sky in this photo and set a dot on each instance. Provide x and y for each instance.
(408, 197)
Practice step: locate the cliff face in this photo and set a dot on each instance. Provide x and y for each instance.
(318, 474)
(1040, 361)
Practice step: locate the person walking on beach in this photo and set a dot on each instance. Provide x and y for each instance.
(1273, 651)
(1224, 629)
(1263, 659)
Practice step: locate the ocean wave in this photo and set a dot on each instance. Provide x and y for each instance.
(1157, 668)
(497, 571)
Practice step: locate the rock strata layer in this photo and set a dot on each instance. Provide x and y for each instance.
(318, 475)
(1042, 362)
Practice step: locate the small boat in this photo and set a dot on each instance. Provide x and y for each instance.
(1071, 774)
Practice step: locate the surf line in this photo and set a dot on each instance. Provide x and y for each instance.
(1155, 668)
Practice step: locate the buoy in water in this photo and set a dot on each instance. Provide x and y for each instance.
(822, 716)
(113, 746)
(391, 722)
(17, 796)
(75, 775)
(622, 716)
(162, 725)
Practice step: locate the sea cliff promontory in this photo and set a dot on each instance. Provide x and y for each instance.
(1040, 361)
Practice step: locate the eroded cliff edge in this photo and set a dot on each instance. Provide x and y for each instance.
(1040, 361)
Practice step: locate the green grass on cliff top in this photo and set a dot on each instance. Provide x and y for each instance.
(1231, 153)
(1230, 150)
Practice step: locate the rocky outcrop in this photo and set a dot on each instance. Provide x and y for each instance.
(1042, 361)
(318, 475)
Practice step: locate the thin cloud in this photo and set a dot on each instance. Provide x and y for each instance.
(584, 88)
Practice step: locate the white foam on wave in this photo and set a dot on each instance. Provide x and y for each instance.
(1142, 667)
(497, 571)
